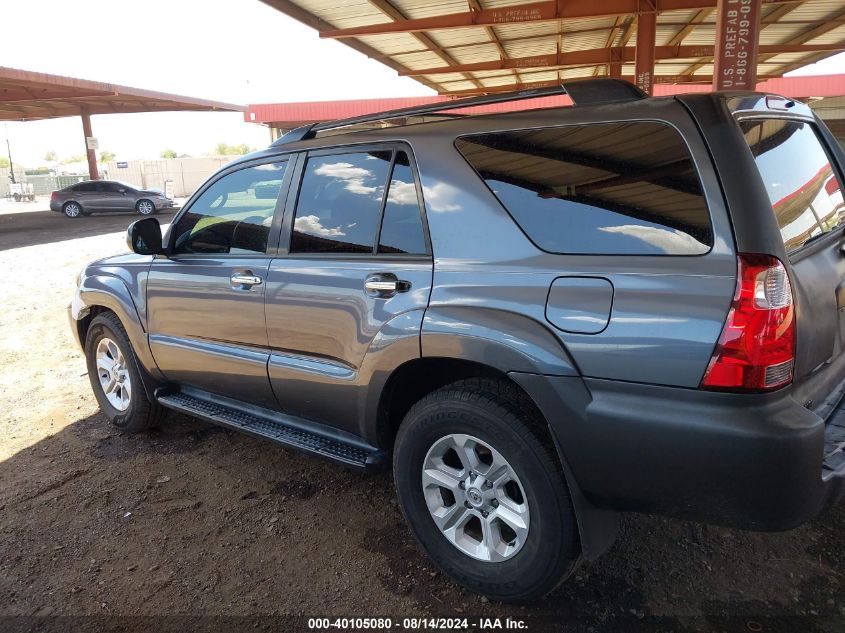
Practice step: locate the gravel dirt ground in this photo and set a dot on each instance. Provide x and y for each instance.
(194, 526)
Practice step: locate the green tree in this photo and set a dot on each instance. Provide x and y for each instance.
(50, 156)
(73, 159)
(4, 162)
(168, 153)
(224, 149)
(106, 156)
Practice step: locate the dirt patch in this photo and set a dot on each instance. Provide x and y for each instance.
(297, 489)
(193, 520)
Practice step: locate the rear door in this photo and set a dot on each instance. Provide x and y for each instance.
(87, 194)
(206, 299)
(798, 167)
(354, 262)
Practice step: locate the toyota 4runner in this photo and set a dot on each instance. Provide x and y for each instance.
(540, 318)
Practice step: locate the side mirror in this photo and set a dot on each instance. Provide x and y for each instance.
(144, 237)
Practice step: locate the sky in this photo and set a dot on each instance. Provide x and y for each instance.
(240, 51)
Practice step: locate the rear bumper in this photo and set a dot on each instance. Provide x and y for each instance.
(746, 461)
(55, 205)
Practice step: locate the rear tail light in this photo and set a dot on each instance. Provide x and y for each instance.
(756, 350)
(54, 195)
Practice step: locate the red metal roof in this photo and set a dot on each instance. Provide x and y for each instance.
(292, 114)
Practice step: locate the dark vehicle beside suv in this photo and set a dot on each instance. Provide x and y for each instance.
(91, 196)
(540, 319)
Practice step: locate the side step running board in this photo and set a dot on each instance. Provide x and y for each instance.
(277, 427)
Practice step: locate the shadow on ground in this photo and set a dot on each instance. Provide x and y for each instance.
(194, 519)
(42, 227)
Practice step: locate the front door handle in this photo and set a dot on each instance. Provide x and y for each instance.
(245, 279)
(386, 285)
(381, 286)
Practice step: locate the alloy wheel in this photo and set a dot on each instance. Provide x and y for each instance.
(475, 498)
(113, 374)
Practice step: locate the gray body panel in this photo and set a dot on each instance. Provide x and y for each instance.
(322, 325)
(207, 333)
(668, 311)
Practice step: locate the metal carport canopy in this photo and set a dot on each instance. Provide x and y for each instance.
(477, 46)
(29, 96)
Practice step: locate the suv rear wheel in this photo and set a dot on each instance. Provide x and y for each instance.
(484, 495)
(115, 378)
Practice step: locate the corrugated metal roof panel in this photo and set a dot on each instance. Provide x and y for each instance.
(473, 44)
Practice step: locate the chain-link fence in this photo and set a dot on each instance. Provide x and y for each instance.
(186, 173)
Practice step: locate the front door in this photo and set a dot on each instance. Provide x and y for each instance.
(206, 300)
(117, 197)
(358, 269)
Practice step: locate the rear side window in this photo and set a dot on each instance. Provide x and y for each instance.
(625, 188)
(804, 190)
(359, 202)
(340, 203)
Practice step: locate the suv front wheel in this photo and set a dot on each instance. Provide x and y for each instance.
(484, 492)
(115, 378)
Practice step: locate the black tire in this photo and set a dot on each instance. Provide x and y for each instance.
(497, 413)
(72, 209)
(141, 414)
(143, 204)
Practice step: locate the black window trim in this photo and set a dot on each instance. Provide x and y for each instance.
(535, 128)
(288, 159)
(394, 147)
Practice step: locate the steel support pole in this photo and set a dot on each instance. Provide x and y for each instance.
(737, 37)
(93, 172)
(646, 34)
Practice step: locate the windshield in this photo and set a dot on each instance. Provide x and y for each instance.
(804, 189)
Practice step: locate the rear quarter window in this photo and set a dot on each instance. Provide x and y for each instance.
(804, 190)
(627, 188)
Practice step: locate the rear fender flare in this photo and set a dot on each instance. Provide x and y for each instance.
(500, 339)
(397, 342)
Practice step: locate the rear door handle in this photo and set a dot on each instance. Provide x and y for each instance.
(245, 279)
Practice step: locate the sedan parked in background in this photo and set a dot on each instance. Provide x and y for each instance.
(107, 195)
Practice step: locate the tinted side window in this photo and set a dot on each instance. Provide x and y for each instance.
(340, 203)
(805, 193)
(625, 188)
(86, 187)
(233, 215)
(401, 226)
(113, 187)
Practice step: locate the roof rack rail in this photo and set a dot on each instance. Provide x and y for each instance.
(582, 92)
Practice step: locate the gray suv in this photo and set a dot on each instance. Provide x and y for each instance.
(540, 319)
